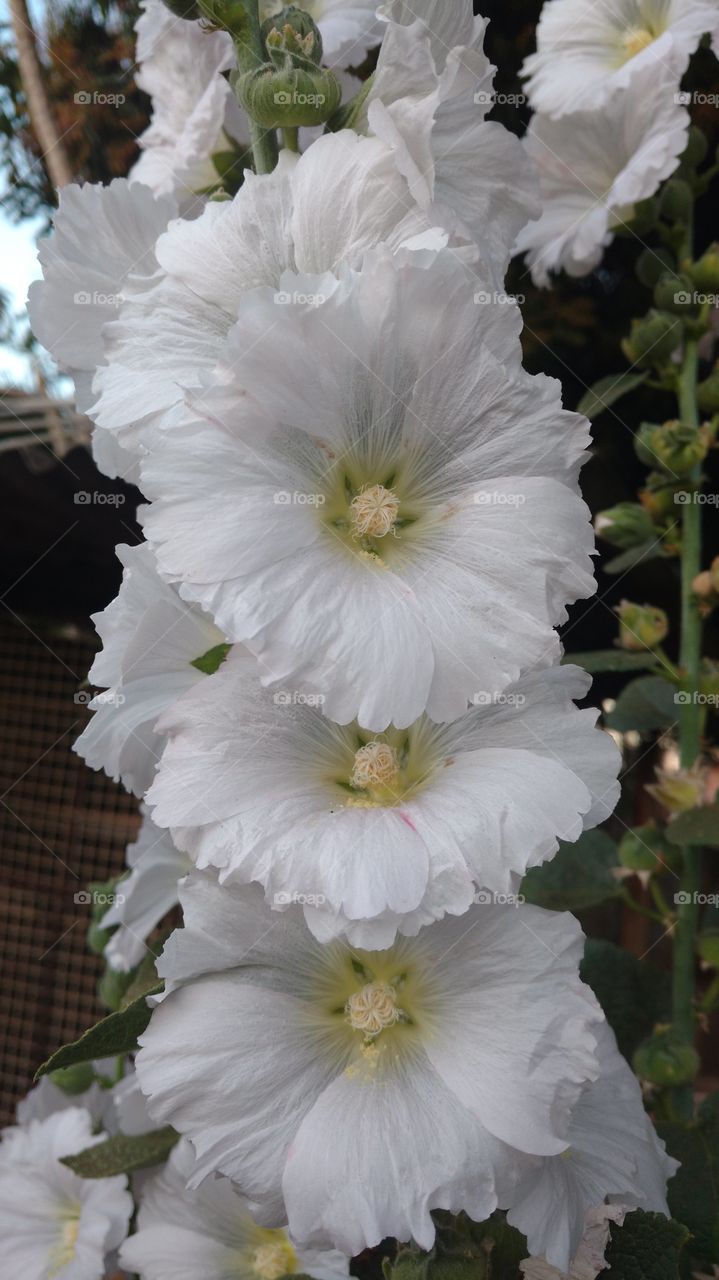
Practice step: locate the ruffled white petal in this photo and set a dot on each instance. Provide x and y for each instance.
(594, 167)
(144, 896)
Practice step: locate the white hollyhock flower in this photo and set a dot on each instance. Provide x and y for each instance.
(348, 30)
(53, 1223)
(102, 236)
(152, 642)
(430, 94)
(594, 167)
(589, 1261)
(378, 509)
(210, 1232)
(379, 834)
(143, 897)
(588, 50)
(313, 213)
(46, 1098)
(193, 107)
(314, 1075)
(614, 1153)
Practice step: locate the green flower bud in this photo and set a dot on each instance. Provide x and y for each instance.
(645, 215)
(705, 272)
(626, 525)
(292, 38)
(680, 790)
(641, 626)
(708, 392)
(652, 340)
(657, 498)
(112, 987)
(676, 200)
(290, 98)
(643, 849)
(643, 443)
(708, 947)
(74, 1080)
(665, 1059)
(224, 15)
(676, 292)
(677, 447)
(183, 9)
(652, 264)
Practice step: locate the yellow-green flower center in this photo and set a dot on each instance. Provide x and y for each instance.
(635, 40)
(64, 1251)
(373, 1009)
(374, 512)
(274, 1259)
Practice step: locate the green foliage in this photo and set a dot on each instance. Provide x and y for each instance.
(696, 826)
(579, 875)
(693, 1192)
(607, 391)
(211, 661)
(113, 1035)
(666, 1060)
(644, 704)
(634, 995)
(123, 1154)
(647, 1247)
(463, 1250)
(599, 661)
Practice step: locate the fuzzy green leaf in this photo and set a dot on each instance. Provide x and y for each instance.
(645, 704)
(696, 826)
(646, 1247)
(123, 1154)
(693, 1192)
(115, 1034)
(633, 995)
(600, 660)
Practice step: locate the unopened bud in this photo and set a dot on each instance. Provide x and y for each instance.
(665, 1059)
(292, 38)
(644, 849)
(708, 393)
(74, 1080)
(289, 99)
(652, 339)
(705, 272)
(626, 525)
(679, 790)
(641, 626)
(678, 447)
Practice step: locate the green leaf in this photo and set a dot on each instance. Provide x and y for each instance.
(643, 552)
(696, 826)
(145, 981)
(212, 660)
(123, 1154)
(600, 660)
(604, 393)
(115, 1034)
(693, 1192)
(647, 1247)
(633, 995)
(579, 875)
(645, 704)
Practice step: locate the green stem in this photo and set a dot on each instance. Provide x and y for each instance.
(250, 55)
(689, 730)
(290, 139)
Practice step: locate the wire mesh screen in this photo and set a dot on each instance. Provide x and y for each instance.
(61, 826)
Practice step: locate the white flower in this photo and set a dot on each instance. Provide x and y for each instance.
(130, 1114)
(379, 834)
(151, 639)
(53, 1223)
(588, 50)
(194, 111)
(145, 896)
(363, 1089)
(103, 235)
(614, 1153)
(430, 94)
(375, 494)
(589, 1261)
(314, 212)
(210, 1233)
(348, 30)
(594, 167)
(47, 1098)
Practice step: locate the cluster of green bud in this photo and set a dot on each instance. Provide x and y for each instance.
(291, 90)
(706, 588)
(666, 1060)
(676, 447)
(641, 626)
(653, 339)
(679, 790)
(708, 392)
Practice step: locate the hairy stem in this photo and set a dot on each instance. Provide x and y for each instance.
(250, 55)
